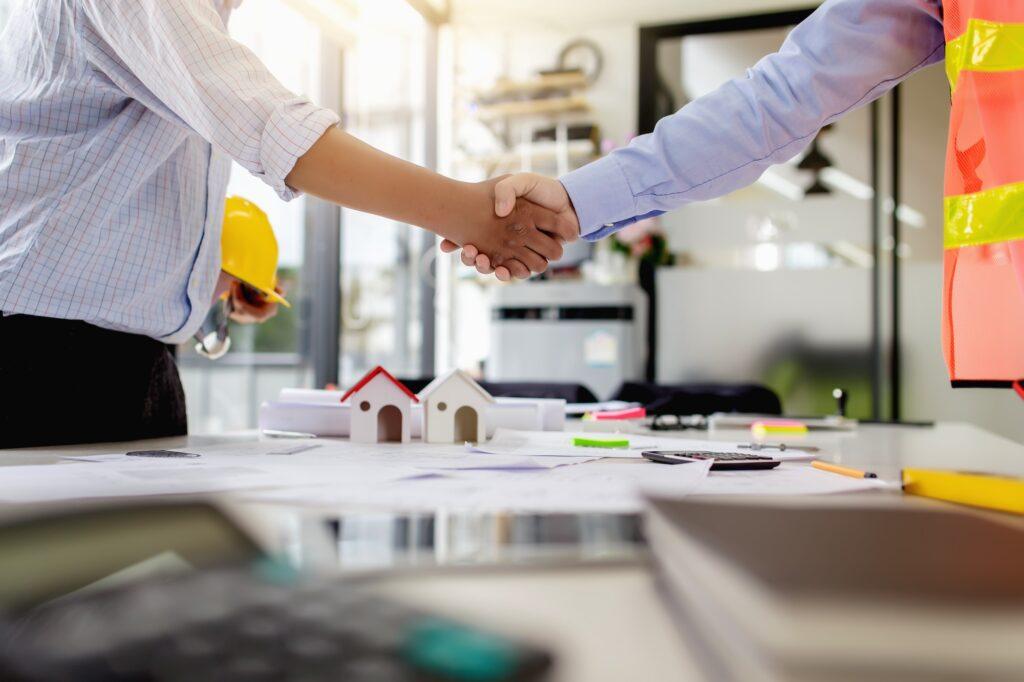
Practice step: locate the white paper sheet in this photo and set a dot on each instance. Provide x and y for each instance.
(323, 453)
(23, 484)
(548, 444)
(250, 465)
(789, 478)
(593, 487)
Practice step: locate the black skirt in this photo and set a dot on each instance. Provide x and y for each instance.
(64, 382)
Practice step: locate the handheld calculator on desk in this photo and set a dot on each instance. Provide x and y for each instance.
(720, 461)
(181, 591)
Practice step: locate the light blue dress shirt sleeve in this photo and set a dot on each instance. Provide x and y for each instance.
(846, 54)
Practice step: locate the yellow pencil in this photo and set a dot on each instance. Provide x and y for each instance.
(843, 471)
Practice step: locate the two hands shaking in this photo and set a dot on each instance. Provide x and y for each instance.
(534, 217)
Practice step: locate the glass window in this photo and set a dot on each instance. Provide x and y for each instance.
(739, 309)
(225, 394)
(381, 270)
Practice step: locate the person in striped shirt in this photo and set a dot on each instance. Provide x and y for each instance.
(118, 122)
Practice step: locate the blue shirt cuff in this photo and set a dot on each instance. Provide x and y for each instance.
(612, 228)
(600, 194)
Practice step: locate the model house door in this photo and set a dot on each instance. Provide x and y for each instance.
(466, 420)
(389, 425)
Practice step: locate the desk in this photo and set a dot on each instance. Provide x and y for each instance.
(605, 618)
(885, 449)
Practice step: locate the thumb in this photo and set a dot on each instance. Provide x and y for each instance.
(508, 190)
(448, 246)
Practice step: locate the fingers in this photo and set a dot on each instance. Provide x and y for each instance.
(532, 236)
(511, 269)
(509, 189)
(483, 264)
(559, 225)
(545, 245)
(567, 227)
(248, 312)
(531, 259)
(518, 270)
(469, 255)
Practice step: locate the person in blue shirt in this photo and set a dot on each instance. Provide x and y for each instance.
(843, 56)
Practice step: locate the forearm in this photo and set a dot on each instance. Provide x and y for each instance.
(344, 170)
(846, 54)
(341, 169)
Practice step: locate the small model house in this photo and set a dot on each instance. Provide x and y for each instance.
(455, 409)
(381, 409)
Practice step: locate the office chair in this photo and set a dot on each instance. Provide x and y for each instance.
(704, 399)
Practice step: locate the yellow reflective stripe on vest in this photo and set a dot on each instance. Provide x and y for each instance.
(994, 215)
(985, 46)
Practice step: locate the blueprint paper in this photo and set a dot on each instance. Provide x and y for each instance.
(551, 444)
(299, 456)
(789, 478)
(44, 483)
(594, 487)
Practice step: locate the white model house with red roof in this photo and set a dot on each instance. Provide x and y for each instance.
(381, 409)
(455, 409)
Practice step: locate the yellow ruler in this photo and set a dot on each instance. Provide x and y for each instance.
(977, 490)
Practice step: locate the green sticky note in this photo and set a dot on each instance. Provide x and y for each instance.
(620, 444)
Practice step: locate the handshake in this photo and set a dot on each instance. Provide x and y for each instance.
(530, 218)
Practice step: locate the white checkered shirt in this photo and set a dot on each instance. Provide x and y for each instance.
(118, 119)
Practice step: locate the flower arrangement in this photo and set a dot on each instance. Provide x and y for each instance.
(644, 241)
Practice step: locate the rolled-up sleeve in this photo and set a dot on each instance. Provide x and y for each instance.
(176, 58)
(844, 55)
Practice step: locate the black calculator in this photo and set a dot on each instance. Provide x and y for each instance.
(249, 624)
(720, 461)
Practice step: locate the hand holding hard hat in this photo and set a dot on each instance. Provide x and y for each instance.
(248, 279)
(249, 249)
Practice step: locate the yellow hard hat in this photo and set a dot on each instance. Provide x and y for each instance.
(248, 247)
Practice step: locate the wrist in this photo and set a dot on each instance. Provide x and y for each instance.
(600, 195)
(572, 215)
(449, 207)
(463, 208)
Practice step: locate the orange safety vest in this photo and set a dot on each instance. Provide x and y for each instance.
(983, 293)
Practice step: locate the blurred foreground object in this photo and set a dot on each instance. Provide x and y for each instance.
(843, 590)
(179, 591)
(982, 490)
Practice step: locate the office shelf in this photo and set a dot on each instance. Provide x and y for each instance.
(534, 107)
(506, 89)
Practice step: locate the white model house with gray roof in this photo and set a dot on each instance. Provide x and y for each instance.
(455, 409)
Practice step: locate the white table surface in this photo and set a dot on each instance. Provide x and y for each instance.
(606, 622)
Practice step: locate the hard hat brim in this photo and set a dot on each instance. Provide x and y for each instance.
(276, 298)
(269, 293)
